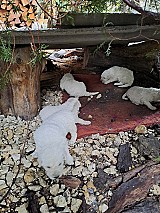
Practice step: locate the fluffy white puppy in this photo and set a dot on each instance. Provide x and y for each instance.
(143, 96)
(121, 75)
(73, 87)
(72, 104)
(52, 144)
(50, 138)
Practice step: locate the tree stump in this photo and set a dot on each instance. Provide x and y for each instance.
(21, 96)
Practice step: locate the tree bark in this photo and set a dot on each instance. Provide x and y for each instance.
(21, 96)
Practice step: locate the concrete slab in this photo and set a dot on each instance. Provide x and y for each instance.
(83, 37)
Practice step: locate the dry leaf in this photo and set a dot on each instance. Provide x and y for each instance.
(31, 16)
(24, 16)
(34, 2)
(17, 21)
(9, 7)
(28, 23)
(23, 8)
(30, 10)
(11, 17)
(3, 6)
(16, 2)
(25, 2)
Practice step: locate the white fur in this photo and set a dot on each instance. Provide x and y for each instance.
(50, 138)
(72, 104)
(121, 75)
(143, 96)
(73, 87)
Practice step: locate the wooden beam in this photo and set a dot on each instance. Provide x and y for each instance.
(82, 37)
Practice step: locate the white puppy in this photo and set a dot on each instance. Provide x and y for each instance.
(52, 144)
(143, 96)
(72, 104)
(50, 138)
(73, 87)
(121, 75)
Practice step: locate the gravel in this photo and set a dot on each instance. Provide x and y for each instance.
(21, 176)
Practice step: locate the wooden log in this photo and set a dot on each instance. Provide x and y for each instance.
(134, 190)
(21, 97)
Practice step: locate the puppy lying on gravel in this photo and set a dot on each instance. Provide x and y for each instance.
(121, 75)
(141, 95)
(51, 137)
(73, 87)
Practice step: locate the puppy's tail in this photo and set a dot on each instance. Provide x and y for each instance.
(124, 96)
(91, 93)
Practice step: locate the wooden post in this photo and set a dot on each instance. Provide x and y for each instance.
(21, 97)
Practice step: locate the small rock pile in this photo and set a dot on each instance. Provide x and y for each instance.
(24, 185)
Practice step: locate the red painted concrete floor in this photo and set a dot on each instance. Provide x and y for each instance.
(111, 114)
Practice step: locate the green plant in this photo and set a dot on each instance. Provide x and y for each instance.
(89, 6)
(6, 55)
(5, 50)
(158, 159)
(107, 50)
(37, 54)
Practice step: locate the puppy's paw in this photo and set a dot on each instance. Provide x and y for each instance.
(69, 160)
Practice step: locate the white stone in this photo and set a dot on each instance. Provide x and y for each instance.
(42, 200)
(10, 134)
(44, 208)
(117, 141)
(26, 162)
(96, 153)
(77, 163)
(75, 204)
(9, 178)
(29, 175)
(22, 209)
(67, 195)
(92, 167)
(110, 155)
(60, 201)
(111, 170)
(102, 139)
(110, 193)
(103, 208)
(156, 190)
(99, 96)
(77, 171)
(2, 184)
(134, 150)
(54, 189)
(85, 172)
(35, 188)
(100, 197)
